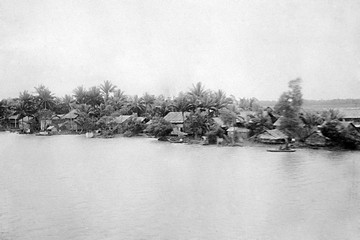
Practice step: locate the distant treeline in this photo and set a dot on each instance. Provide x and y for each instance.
(321, 104)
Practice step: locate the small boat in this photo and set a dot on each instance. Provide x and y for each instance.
(43, 133)
(281, 150)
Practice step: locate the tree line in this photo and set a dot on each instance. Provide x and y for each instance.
(98, 106)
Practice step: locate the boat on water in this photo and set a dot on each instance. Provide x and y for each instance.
(281, 150)
(43, 133)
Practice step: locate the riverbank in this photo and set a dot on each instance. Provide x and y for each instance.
(192, 141)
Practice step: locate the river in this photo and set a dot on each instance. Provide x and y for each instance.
(70, 187)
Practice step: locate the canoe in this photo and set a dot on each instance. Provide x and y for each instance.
(282, 150)
(43, 133)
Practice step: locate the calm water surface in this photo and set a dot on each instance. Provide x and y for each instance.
(70, 187)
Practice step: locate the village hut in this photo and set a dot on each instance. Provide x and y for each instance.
(69, 120)
(245, 116)
(350, 115)
(349, 127)
(272, 136)
(24, 123)
(72, 115)
(14, 120)
(238, 133)
(68, 126)
(45, 116)
(51, 129)
(122, 118)
(241, 132)
(278, 122)
(317, 139)
(177, 119)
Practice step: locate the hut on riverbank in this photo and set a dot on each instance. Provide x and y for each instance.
(177, 119)
(274, 136)
(24, 123)
(317, 139)
(14, 120)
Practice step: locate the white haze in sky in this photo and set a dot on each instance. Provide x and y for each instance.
(247, 48)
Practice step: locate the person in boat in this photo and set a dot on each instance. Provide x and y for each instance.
(286, 146)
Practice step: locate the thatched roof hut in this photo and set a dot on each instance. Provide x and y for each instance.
(176, 117)
(317, 139)
(122, 118)
(73, 114)
(272, 136)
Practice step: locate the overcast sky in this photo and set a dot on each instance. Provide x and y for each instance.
(247, 48)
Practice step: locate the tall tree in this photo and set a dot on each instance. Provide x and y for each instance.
(289, 106)
(45, 97)
(149, 101)
(220, 99)
(118, 100)
(137, 105)
(93, 97)
(27, 103)
(80, 94)
(197, 94)
(106, 88)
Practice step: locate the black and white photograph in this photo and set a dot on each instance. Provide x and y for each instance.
(179, 120)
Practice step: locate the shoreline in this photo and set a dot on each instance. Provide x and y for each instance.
(191, 141)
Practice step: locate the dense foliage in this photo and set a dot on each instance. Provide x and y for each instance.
(159, 128)
(289, 106)
(98, 106)
(342, 134)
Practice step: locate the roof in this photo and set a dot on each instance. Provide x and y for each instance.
(278, 122)
(237, 129)
(71, 115)
(122, 118)
(273, 134)
(347, 125)
(26, 119)
(14, 117)
(176, 117)
(317, 133)
(350, 113)
(140, 119)
(58, 116)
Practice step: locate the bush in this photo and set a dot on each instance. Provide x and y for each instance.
(214, 133)
(159, 128)
(132, 127)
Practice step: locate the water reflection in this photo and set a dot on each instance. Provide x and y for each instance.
(69, 187)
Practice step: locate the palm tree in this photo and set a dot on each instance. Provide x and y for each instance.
(27, 103)
(118, 100)
(45, 97)
(107, 87)
(68, 101)
(220, 99)
(137, 105)
(197, 93)
(93, 97)
(162, 106)
(149, 101)
(198, 90)
(80, 94)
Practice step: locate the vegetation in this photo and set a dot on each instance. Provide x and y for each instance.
(159, 128)
(289, 106)
(97, 108)
(341, 134)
